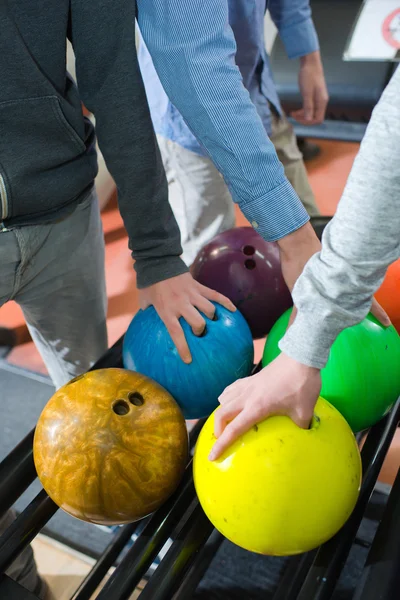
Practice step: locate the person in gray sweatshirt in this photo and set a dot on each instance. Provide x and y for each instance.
(336, 288)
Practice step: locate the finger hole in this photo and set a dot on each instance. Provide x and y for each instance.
(136, 398)
(121, 408)
(249, 250)
(198, 329)
(250, 264)
(314, 422)
(203, 333)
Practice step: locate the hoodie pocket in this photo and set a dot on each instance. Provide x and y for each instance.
(66, 126)
(3, 197)
(36, 144)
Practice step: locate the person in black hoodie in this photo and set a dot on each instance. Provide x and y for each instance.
(51, 241)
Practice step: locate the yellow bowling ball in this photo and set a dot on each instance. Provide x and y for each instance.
(281, 490)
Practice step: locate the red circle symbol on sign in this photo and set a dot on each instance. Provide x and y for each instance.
(391, 29)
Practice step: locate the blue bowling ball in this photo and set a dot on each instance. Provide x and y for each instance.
(221, 355)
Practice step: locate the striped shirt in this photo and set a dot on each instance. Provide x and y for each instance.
(246, 18)
(194, 50)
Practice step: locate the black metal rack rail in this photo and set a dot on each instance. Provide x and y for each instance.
(195, 542)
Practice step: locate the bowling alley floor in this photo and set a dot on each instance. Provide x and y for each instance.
(62, 567)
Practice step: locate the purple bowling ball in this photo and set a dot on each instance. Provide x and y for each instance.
(245, 268)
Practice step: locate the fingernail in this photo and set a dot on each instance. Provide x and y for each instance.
(187, 360)
(211, 456)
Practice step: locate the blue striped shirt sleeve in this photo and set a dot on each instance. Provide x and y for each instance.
(295, 25)
(193, 50)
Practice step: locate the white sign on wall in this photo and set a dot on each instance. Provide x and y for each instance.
(376, 32)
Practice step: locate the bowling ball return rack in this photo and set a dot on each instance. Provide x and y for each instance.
(311, 576)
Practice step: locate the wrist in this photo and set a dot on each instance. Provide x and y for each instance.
(302, 240)
(152, 270)
(313, 58)
(295, 251)
(302, 369)
(306, 370)
(309, 339)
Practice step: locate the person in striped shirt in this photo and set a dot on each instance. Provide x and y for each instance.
(201, 200)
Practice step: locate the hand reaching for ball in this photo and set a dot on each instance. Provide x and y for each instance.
(284, 387)
(178, 297)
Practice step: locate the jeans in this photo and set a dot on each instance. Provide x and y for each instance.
(55, 272)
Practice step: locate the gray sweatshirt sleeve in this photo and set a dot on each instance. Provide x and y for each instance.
(336, 287)
(111, 87)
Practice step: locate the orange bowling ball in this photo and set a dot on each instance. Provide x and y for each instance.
(110, 446)
(388, 294)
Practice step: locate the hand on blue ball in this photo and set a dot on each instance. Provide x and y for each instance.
(178, 297)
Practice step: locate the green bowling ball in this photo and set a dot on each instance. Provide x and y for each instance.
(362, 376)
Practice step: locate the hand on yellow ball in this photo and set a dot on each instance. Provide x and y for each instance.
(285, 387)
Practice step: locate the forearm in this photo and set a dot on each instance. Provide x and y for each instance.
(336, 288)
(293, 20)
(111, 87)
(193, 51)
